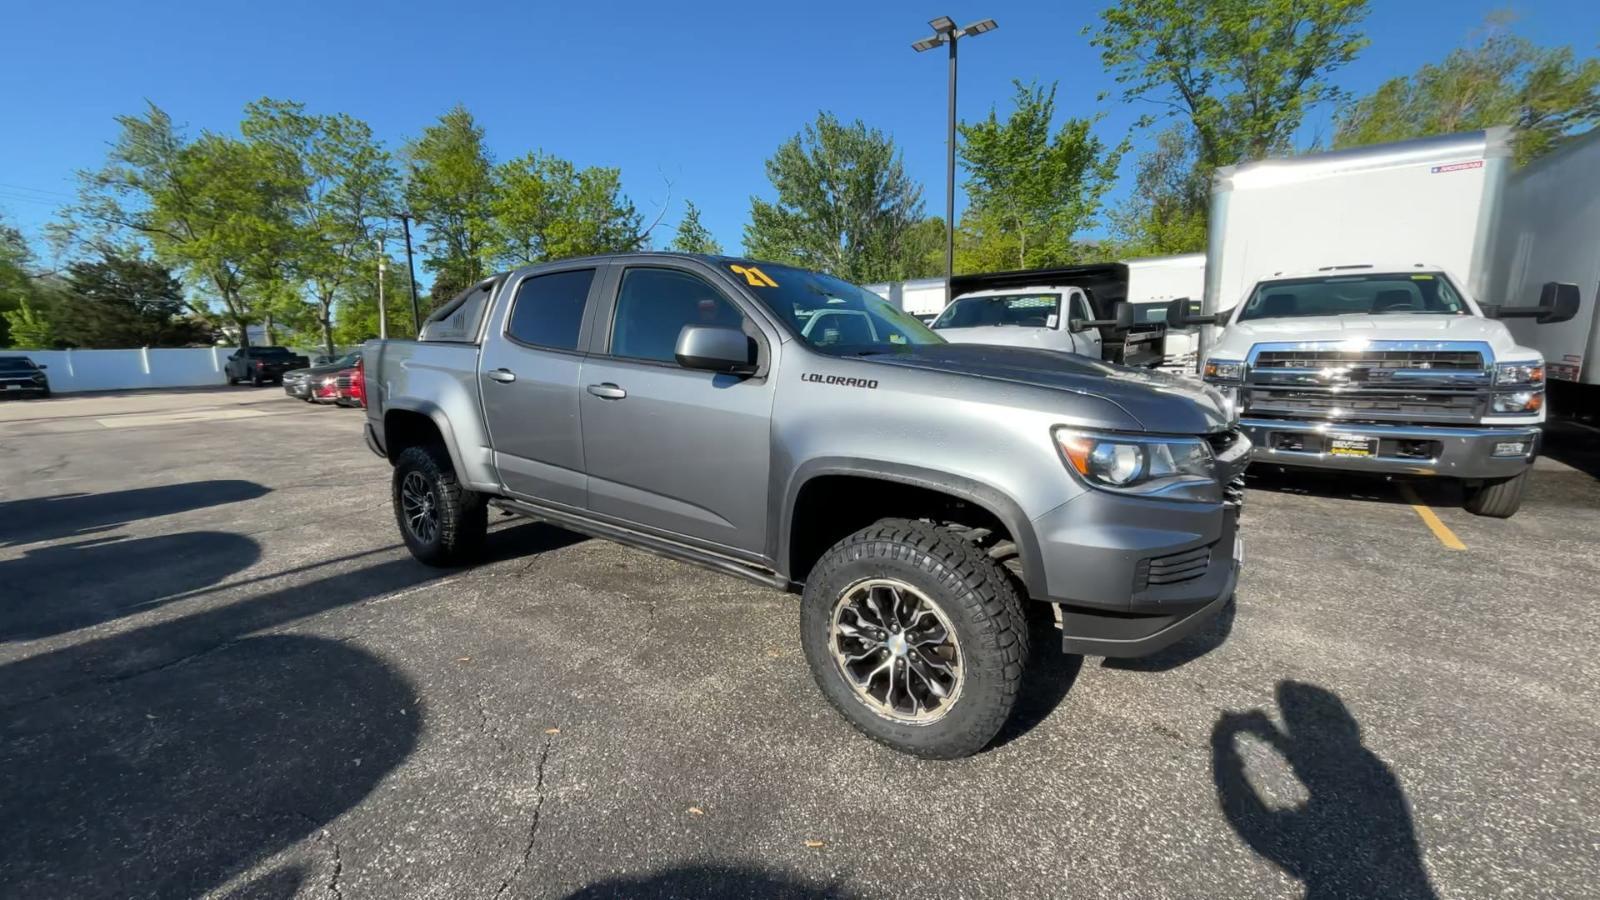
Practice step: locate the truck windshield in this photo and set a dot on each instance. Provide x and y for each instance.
(831, 314)
(1355, 295)
(1025, 310)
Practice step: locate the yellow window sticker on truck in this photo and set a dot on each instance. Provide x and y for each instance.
(754, 276)
(1422, 278)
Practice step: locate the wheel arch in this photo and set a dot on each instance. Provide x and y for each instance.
(794, 558)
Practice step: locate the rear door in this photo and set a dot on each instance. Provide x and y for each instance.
(528, 378)
(678, 450)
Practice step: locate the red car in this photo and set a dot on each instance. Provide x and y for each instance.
(347, 387)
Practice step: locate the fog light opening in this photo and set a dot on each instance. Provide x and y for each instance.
(1511, 448)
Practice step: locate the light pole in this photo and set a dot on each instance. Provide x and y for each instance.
(411, 270)
(383, 268)
(946, 32)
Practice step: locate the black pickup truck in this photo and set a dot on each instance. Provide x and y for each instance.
(261, 365)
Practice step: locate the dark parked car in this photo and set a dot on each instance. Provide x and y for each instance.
(259, 365)
(303, 383)
(21, 376)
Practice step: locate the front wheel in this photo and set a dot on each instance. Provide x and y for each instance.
(916, 637)
(442, 523)
(1499, 498)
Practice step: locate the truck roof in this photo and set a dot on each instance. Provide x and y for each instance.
(1471, 145)
(1359, 268)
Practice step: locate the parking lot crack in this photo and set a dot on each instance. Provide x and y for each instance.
(338, 866)
(533, 823)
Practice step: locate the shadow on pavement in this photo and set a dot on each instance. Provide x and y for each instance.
(163, 760)
(1186, 651)
(708, 881)
(1334, 485)
(55, 589)
(1353, 836)
(66, 515)
(1573, 445)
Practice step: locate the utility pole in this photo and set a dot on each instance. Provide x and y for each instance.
(411, 268)
(383, 319)
(946, 32)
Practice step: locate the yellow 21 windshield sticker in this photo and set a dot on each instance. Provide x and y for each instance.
(754, 276)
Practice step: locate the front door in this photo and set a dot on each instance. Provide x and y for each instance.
(529, 382)
(679, 450)
(1088, 341)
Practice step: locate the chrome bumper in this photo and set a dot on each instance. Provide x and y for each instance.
(1456, 452)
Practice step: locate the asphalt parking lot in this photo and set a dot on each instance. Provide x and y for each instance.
(220, 674)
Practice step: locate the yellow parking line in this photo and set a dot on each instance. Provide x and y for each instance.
(1439, 529)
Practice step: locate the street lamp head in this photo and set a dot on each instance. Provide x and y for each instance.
(979, 27)
(943, 24)
(927, 43)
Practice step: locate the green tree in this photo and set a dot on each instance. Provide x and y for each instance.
(845, 204)
(1545, 93)
(346, 187)
(1241, 73)
(124, 300)
(1029, 192)
(356, 312)
(16, 277)
(450, 187)
(31, 327)
(546, 208)
(214, 208)
(1166, 212)
(693, 237)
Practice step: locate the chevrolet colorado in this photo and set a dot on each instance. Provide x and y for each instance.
(798, 431)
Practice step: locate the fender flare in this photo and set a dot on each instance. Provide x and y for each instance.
(434, 414)
(985, 496)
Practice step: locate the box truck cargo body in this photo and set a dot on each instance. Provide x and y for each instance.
(1549, 230)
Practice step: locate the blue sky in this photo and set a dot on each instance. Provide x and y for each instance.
(701, 94)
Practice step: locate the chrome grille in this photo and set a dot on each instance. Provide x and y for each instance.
(1427, 360)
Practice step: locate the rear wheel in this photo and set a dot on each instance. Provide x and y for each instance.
(916, 637)
(1499, 498)
(255, 379)
(442, 523)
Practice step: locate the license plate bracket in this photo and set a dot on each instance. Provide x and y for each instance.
(1352, 445)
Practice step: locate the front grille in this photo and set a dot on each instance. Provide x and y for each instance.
(1233, 492)
(1220, 441)
(1362, 404)
(1174, 569)
(1447, 360)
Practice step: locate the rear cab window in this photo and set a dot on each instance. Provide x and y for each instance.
(547, 312)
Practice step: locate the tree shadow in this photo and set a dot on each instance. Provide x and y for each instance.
(1213, 635)
(1048, 678)
(67, 515)
(712, 882)
(164, 760)
(1353, 836)
(61, 588)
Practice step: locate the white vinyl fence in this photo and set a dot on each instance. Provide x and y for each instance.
(123, 370)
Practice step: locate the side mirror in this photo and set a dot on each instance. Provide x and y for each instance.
(716, 350)
(1558, 302)
(1178, 315)
(1077, 325)
(42, 366)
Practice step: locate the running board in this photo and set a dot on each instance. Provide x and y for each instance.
(648, 542)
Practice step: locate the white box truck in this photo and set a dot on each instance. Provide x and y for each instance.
(1342, 315)
(1549, 230)
(1154, 282)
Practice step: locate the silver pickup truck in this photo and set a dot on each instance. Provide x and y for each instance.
(798, 431)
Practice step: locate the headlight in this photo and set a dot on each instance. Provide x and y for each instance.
(1224, 370)
(1519, 402)
(1519, 373)
(1168, 467)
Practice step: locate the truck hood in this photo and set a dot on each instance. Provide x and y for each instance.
(1237, 339)
(1005, 336)
(1157, 401)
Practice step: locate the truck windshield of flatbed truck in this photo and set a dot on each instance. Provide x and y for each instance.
(1030, 310)
(832, 315)
(1351, 295)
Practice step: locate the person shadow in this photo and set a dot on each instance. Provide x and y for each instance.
(1353, 836)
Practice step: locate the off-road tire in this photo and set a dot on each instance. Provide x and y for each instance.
(971, 590)
(232, 381)
(1499, 498)
(463, 515)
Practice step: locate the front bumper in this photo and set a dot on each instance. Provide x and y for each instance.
(1133, 576)
(1457, 452)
